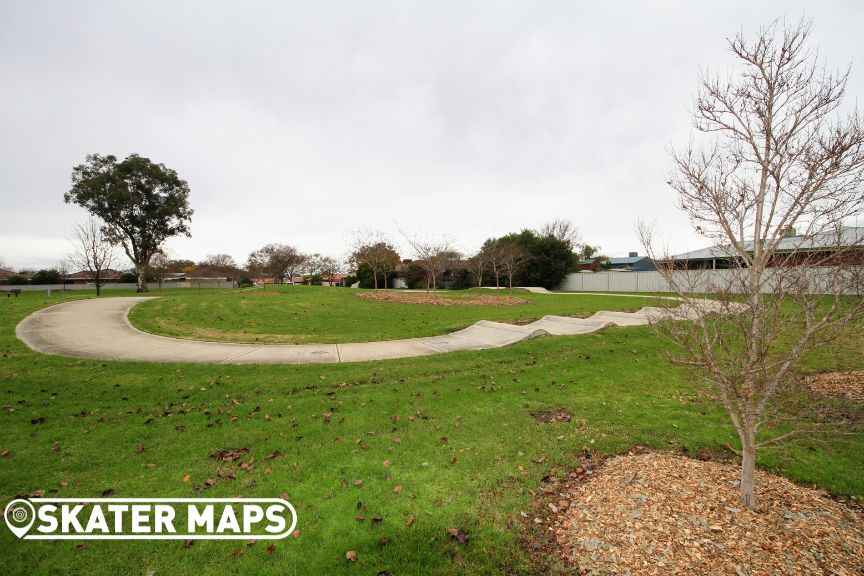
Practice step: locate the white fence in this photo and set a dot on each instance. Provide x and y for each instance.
(700, 280)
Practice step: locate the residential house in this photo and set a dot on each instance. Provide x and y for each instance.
(826, 249)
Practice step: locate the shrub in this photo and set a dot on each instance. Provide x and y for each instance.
(46, 277)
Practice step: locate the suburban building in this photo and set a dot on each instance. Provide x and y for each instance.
(86, 277)
(829, 249)
(6, 274)
(633, 262)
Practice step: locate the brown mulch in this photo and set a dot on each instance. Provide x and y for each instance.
(844, 384)
(434, 299)
(668, 514)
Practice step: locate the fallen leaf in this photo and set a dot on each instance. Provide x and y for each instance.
(150, 465)
(139, 448)
(239, 552)
(271, 549)
(229, 454)
(351, 556)
(187, 478)
(410, 520)
(295, 534)
(4, 453)
(386, 463)
(188, 543)
(459, 535)
(397, 489)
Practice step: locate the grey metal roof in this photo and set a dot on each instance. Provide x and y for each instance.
(848, 236)
(627, 260)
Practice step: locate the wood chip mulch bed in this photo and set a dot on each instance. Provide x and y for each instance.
(668, 514)
(843, 384)
(441, 300)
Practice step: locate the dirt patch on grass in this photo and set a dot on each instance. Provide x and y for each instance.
(668, 514)
(556, 414)
(843, 384)
(432, 299)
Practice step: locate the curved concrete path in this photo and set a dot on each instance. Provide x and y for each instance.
(99, 328)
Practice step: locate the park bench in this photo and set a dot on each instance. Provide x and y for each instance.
(15, 291)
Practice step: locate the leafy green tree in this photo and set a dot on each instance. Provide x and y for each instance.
(546, 259)
(141, 203)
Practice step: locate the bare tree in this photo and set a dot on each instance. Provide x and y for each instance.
(275, 261)
(563, 230)
(311, 266)
(512, 257)
(221, 264)
(778, 157)
(328, 267)
(91, 251)
(478, 264)
(495, 256)
(433, 257)
(375, 250)
(63, 270)
(160, 264)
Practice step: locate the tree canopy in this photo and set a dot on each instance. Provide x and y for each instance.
(545, 259)
(141, 203)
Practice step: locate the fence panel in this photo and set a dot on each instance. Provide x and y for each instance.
(818, 279)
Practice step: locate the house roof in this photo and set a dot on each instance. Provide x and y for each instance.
(848, 236)
(627, 260)
(87, 275)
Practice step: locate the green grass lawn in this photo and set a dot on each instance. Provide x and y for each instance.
(464, 456)
(313, 314)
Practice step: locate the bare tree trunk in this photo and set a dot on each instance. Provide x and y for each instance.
(141, 269)
(748, 469)
(98, 280)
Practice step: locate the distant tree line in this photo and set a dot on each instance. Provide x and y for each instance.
(541, 257)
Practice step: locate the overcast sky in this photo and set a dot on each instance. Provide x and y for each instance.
(298, 122)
